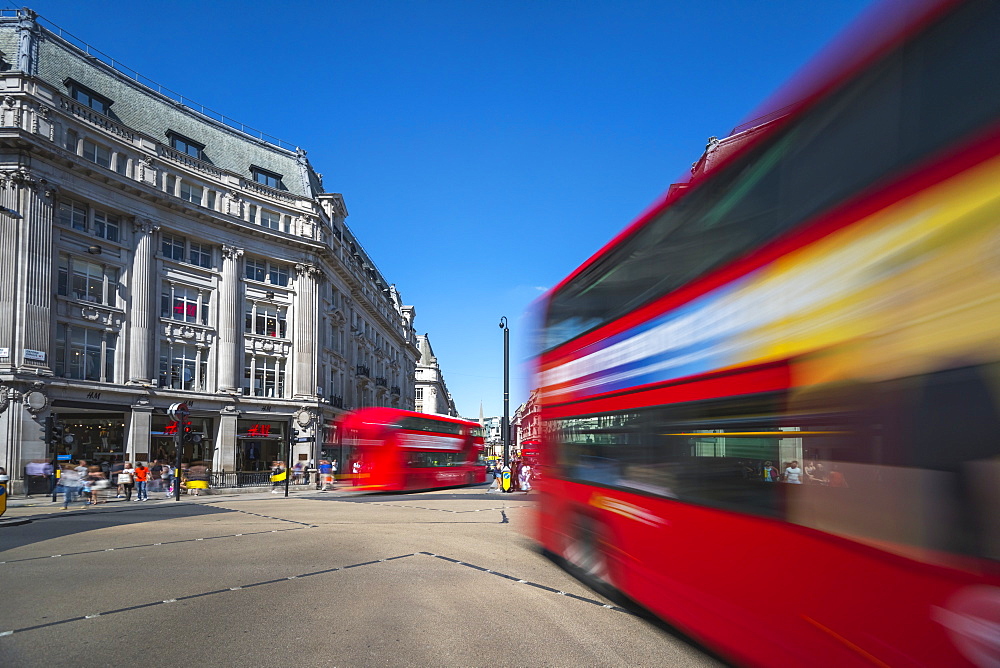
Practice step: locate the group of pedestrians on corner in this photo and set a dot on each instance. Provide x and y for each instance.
(325, 472)
(87, 482)
(521, 480)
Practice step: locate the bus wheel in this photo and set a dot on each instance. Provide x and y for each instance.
(587, 554)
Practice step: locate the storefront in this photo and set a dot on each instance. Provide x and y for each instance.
(163, 431)
(96, 437)
(259, 444)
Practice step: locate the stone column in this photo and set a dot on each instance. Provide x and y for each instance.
(226, 441)
(230, 325)
(141, 316)
(305, 351)
(140, 423)
(26, 241)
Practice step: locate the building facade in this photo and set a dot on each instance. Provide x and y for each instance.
(432, 395)
(155, 255)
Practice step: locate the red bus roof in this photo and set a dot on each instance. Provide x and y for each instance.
(386, 416)
(878, 29)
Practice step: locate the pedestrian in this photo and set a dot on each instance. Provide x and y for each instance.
(156, 477)
(770, 473)
(126, 481)
(96, 481)
(297, 473)
(35, 474)
(525, 478)
(325, 475)
(167, 473)
(141, 475)
(115, 472)
(69, 485)
(278, 475)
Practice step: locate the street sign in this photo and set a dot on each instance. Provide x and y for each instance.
(305, 439)
(178, 412)
(64, 458)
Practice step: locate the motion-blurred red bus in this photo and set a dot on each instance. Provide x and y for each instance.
(771, 406)
(387, 449)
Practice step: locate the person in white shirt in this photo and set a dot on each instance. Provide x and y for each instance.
(793, 474)
(126, 480)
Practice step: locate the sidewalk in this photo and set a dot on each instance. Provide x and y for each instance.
(19, 507)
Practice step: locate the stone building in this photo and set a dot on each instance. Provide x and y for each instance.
(432, 395)
(153, 255)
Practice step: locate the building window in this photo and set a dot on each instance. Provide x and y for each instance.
(85, 354)
(264, 376)
(200, 255)
(183, 303)
(97, 153)
(183, 367)
(73, 214)
(256, 270)
(273, 273)
(191, 193)
(266, 320)
(278, 274)
(89, 98)
(270, 219)
(174, 247)
(87, 281)
(264, 177)
(106, 225)
(81, 217)
(121, 163)
(420, 394)
(186, 146)
(72, 141)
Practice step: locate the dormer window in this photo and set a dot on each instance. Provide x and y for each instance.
(264, 177)
(186, 146)
(88, 98)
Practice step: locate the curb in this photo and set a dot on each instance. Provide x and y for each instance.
(14, 522)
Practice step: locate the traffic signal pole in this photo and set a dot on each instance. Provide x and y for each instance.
(179, 448)
(288, 460)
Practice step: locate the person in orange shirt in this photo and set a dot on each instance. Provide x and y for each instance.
(141, 481)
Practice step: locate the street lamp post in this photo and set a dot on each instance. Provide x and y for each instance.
(506, 391)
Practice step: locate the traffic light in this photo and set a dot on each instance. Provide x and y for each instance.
(188, 434)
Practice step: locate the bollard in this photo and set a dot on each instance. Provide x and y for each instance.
(505, 481)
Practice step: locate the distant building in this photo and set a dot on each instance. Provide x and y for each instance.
(526, 423)
(154, 255)
(431, 393)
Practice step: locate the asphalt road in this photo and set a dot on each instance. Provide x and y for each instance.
(446, 578)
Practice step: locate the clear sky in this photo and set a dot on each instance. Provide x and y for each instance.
(484, 148)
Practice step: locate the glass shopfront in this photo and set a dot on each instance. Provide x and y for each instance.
(95, 439)
(259, 444)
(161, 440)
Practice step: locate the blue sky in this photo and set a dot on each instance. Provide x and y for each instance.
(484, 149)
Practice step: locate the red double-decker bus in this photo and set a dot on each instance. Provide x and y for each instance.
(771, 406)
(386, 449)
